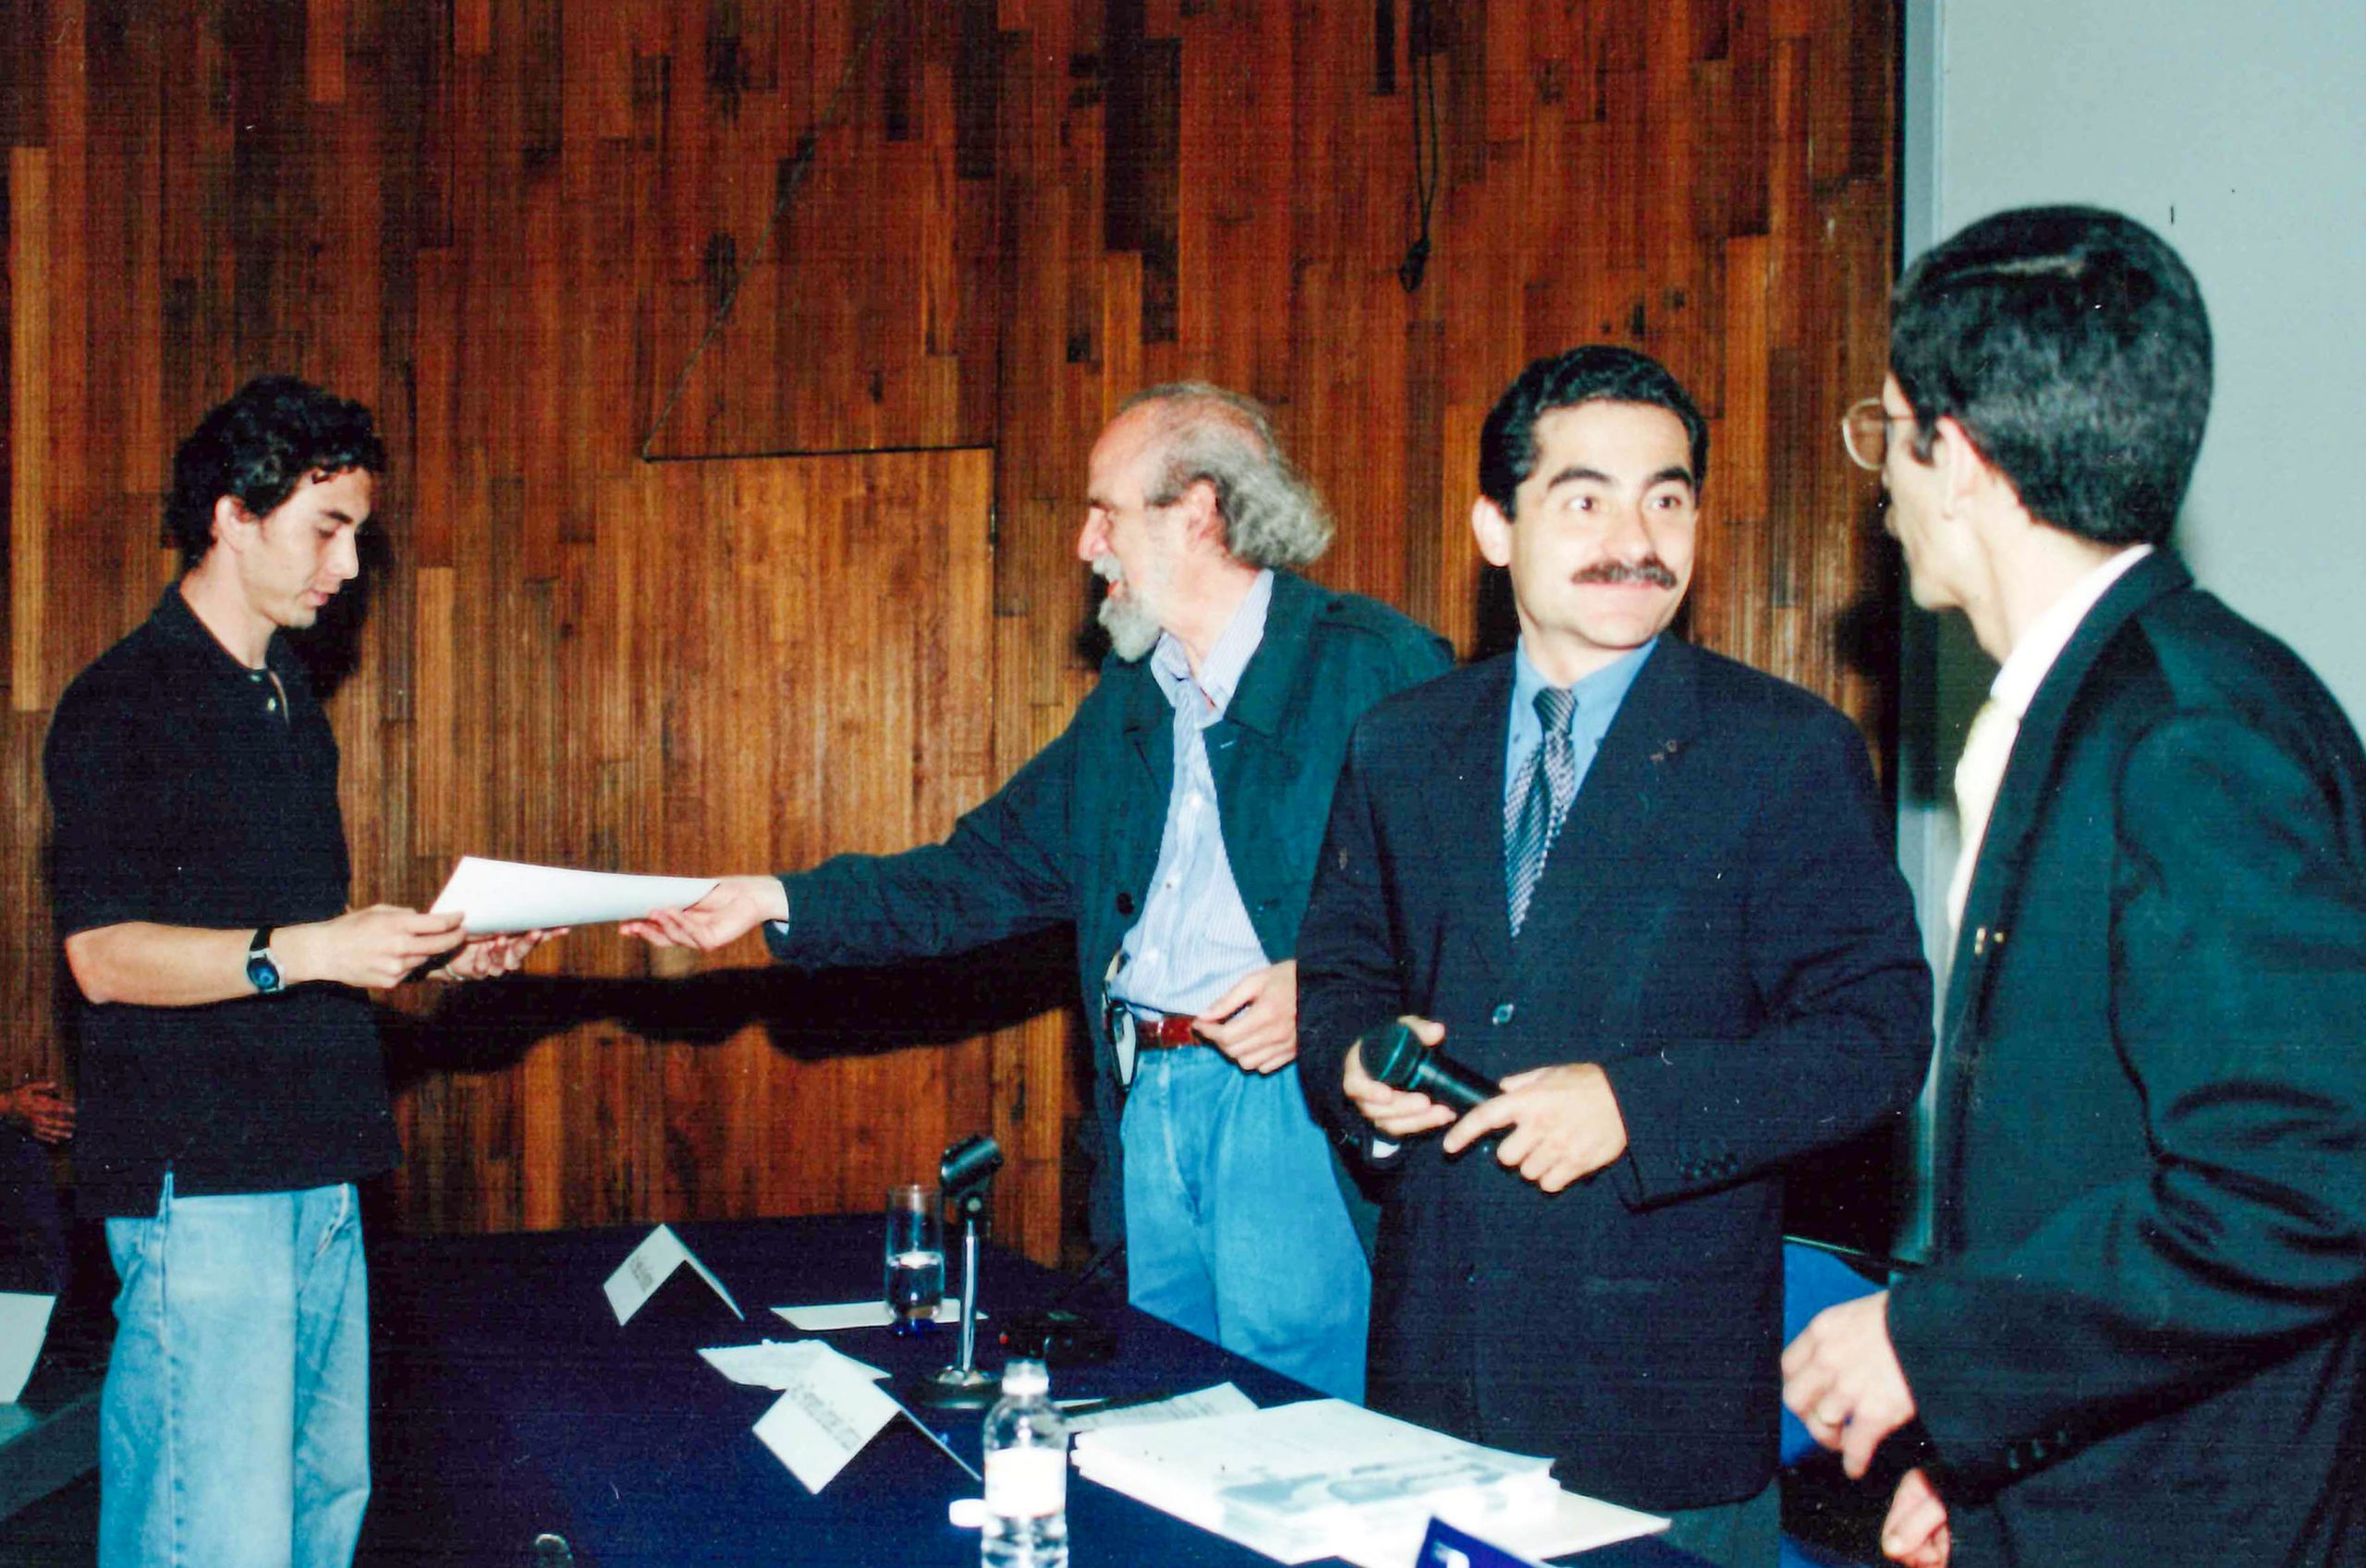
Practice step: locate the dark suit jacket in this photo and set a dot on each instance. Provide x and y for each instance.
(2142, 1337)
(1722, 926)
(1073, 837)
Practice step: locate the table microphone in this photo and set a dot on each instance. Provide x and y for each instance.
(1399, 1060)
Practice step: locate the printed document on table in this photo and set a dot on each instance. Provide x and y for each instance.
(775, 1365)
(1222, 1400)
(1325, 1479)
(510, 895)
(833, 1316)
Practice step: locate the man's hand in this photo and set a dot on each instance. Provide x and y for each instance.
(482, 957)
(373, 948)
(1842, 1379)
(43, 1112)
(1564, 1124)
(1916, 1531)
(1255, 1023)
(1397, 1114)
(734, 907)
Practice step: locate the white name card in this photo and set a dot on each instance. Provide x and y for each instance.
(651, 1265)
(823, 1418)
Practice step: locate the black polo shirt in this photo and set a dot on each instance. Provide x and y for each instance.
(186, 793)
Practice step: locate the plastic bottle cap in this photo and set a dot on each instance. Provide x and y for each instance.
(1024, 1377)
(968, 1513)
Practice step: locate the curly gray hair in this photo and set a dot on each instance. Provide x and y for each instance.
(1271, 516)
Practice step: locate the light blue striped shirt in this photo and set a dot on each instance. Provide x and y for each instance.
(1194, 942)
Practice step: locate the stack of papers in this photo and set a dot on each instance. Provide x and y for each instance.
(1326, 1478)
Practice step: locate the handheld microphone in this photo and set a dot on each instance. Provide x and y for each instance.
(1399, 1060)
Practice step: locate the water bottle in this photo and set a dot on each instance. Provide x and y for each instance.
(1026, 1473)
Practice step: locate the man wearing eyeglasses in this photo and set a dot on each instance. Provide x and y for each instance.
(1174, 825)
(2140, 1334)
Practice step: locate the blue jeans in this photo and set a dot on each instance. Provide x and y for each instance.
(234, 1430)
(1234, 1228)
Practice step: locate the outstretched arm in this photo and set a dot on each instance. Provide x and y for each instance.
(147, 964)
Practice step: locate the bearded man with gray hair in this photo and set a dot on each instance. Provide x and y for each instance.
(1174, 825)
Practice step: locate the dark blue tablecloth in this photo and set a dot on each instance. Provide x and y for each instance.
(510, 1405)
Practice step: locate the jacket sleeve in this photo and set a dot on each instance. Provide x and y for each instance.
(1007, 869)
(1831, 950)
(2238, 993)
(1348, 981)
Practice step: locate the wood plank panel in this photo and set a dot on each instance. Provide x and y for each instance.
(511, 227)
(28, 440)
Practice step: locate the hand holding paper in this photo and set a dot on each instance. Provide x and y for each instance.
(370, 949)
(731, 909)
(483, 958)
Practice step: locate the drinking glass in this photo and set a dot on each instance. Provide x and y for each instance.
(915, 1256)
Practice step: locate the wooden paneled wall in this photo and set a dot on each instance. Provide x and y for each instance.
(842, 602)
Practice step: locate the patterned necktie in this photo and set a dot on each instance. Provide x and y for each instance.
(1552, 783)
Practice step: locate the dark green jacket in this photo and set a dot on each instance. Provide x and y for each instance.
(1074, 836)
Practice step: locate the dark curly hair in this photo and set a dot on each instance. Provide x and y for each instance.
(1597, 372)
(258, 447)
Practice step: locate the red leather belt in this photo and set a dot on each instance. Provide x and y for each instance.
(1164, 1032)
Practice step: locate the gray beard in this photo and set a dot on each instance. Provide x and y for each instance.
(1133, 629)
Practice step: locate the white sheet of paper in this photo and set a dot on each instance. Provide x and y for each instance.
(24, 1323)
(861, 1315)
(820, 1423)
(778, 1364)
(649, 1265)
(510, 895)
(1222, 1400)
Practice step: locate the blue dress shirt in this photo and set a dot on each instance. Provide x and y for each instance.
(1194, 942)
(1598, 696)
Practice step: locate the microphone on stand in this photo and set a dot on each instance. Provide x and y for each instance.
(966, 1175)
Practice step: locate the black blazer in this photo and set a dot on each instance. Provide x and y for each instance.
(1722, 926)
(2140, 1338)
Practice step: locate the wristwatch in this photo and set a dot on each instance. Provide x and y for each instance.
(262, 969)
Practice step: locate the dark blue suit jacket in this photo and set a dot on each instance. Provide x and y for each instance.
(1722, 926)
(1073, 837)
(2142, 1334)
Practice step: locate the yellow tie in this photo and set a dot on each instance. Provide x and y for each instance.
(1986, 749)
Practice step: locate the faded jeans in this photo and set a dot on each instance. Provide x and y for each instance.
(1234, 1228)
(234, 1430)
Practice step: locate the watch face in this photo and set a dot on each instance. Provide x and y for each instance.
(261, 972)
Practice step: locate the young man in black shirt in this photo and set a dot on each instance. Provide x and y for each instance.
(231, 1092)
